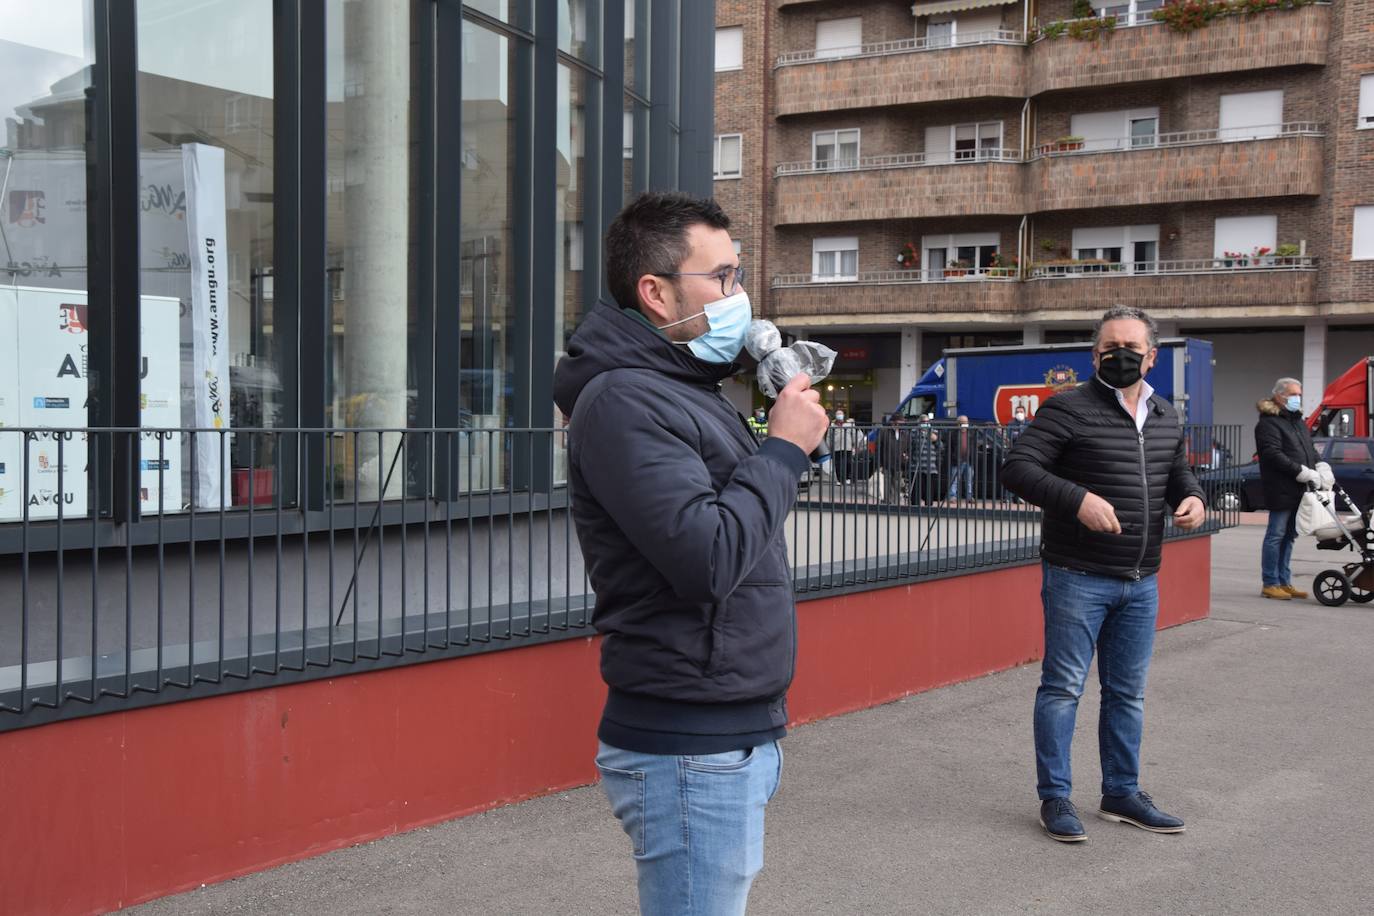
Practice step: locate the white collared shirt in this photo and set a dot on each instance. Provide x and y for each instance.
(1142, 406)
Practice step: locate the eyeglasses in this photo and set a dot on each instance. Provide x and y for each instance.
(731, 278)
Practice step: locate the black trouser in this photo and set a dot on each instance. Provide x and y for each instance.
(844, 461)
(925, 488)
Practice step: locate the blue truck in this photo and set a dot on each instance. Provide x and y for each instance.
(987, 383)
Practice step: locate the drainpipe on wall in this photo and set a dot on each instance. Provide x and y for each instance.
(1022, 248)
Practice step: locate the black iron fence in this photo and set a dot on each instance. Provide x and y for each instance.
(143, 566)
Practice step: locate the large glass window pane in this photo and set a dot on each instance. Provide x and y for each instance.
(496, 121)
(45, 61)
(515, 12)
(635, 147)
(574, 201)
(206, 239)
(371, 211)
(579, 29)
(637, 46)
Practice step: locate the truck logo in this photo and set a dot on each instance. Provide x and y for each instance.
(1031, 395)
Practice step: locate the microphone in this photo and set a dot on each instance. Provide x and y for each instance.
(778, 365)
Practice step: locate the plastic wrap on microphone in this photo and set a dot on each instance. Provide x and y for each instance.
(778, 365)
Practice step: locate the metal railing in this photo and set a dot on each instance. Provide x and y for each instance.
(337, 551)
(1203, 137)
(897, 161)
(1097, 269)
(904, 46)
(898, 277)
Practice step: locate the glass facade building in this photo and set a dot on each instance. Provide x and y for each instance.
(267, 215)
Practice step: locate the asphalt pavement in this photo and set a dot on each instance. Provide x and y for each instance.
(1259, 733)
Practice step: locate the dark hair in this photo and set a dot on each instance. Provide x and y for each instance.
(1119, 312)
(649, 236)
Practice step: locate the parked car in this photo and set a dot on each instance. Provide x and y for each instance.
(1351, 460)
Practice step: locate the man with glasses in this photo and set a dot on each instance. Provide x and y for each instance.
(1103, 460)
(680, 514)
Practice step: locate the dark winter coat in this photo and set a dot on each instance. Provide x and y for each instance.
(1285, 447)
(1082, 441)
(680, 515)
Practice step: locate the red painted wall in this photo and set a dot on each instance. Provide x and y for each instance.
(112, 810)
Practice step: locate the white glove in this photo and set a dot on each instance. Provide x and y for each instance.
(1307, 475)
(1328, 479)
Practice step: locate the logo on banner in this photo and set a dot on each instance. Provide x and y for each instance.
(52, 403)
(27, 207)
(1029, 397)
(72, 318)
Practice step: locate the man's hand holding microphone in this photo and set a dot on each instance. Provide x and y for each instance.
(797, 415)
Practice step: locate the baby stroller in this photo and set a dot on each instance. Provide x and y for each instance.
(1320, 517)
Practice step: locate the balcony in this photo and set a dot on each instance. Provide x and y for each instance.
(896, 292)
(912, 70)
(1277, 161)
(907, 186)
(1259, 285)
(1151, 51)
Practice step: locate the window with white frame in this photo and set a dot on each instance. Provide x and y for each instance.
(947, 255)
(730, 48)
(1127, 129)
(1136, 12)
(627, 137)
(1362, 234)
(837, 37)
(1366, 119)
(726, 157)
(834, 259)
(835, 149)
(1135, 248)
(964, 142)
(574, 260)
(1244, 235)
(1248, 115)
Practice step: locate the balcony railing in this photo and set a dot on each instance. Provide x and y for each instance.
(1200, 137)
(904, 46)
(897, 161)
(895, 277)
(1097, 270)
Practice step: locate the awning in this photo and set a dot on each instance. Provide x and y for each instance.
(951, 6)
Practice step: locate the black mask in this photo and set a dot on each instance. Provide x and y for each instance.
(1120, 368)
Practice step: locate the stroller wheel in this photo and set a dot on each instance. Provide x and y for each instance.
(1360, 595)
(1331, 587)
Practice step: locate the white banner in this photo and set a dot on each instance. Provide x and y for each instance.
(205, 226)
(11, 444)
(49, 379)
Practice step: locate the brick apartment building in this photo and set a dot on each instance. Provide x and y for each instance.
(906, 178)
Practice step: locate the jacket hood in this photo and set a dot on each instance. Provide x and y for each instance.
(611, 338)
(1268, 407)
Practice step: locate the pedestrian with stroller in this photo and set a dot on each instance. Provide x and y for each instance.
(1287, 462)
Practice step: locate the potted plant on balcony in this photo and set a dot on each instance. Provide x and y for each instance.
(1286, 255)
(1067, 143)
(1002, 266)
(909, 257)
(958, 268)
(1261, 256)
(1234, 259)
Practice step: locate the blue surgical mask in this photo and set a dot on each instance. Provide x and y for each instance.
(727, 323)
(1294, 403)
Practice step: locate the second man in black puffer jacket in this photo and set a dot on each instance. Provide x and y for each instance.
(1103, 461)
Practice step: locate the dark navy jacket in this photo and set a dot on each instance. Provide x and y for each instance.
(1082, 441)
(680, 515)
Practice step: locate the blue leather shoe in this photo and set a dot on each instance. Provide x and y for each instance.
(1138, 810)
(1060, 819)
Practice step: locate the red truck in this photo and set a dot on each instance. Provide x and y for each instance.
(1347, 407)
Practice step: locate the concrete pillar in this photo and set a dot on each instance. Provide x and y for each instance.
(1313, 363)
(1032, 335)
(911, 368)
(377, 198)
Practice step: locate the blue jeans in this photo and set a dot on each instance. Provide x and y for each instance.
(1117, 616)
(695, 824)
(961, 473)
(1276, 557)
